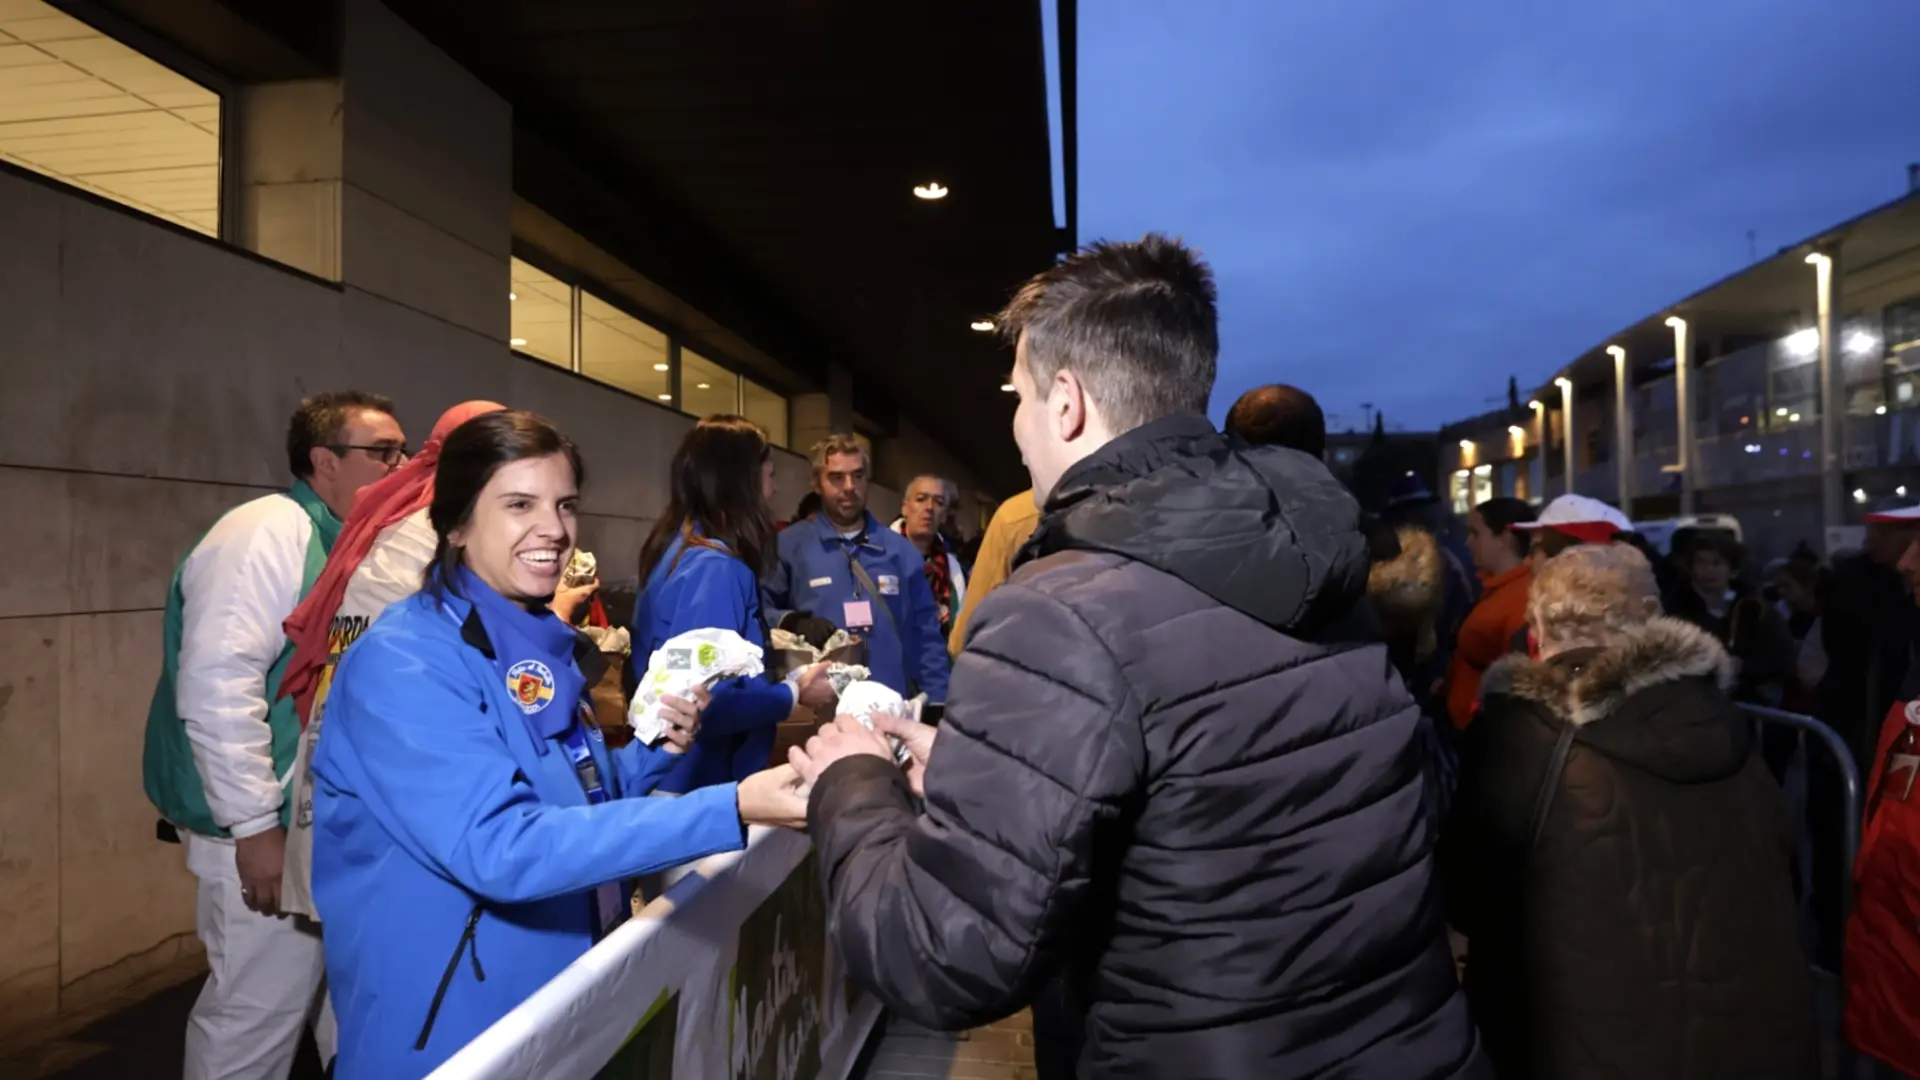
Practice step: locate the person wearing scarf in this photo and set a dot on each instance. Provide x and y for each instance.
(478, 831)
(383, 549)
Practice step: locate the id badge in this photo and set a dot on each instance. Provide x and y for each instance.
(858, 614)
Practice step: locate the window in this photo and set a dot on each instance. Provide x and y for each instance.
(620, 350)
(766, 408)
(542, 319)
(706, 388)
(1461, 491)
(1482, 485)
(84, 109)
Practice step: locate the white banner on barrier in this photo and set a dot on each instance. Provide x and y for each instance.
(729, 975)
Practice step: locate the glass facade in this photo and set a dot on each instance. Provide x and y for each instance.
(766, 408)
(542, 320)
(706, 388)
(87, 110)
(621, 351)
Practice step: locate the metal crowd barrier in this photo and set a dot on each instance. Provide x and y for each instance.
(1810, 730)
(1836, 748)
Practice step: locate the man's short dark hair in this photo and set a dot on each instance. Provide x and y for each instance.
(1137, 322)
(1280, 415)
(319, 421)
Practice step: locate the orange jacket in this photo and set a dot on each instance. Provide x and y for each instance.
(1486, 635)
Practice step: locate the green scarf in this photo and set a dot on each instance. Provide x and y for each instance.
(172, 780)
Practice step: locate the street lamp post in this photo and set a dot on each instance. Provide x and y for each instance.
(1832, 405)
(1683, 401)
(1622, 429)
(1540, 448)
(1566, 424)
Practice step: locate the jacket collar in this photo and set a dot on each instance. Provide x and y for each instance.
(829, 533)
(1586, 685)
(1116, 455)
(1502, 580)
(474, 634)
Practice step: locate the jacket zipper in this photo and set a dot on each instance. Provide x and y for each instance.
(472, 949)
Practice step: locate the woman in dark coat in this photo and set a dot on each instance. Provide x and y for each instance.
(1618, 856)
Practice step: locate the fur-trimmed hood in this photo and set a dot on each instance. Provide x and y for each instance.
(1662, 690)
(1406, 589)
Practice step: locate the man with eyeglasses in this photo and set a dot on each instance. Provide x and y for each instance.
(220, 741)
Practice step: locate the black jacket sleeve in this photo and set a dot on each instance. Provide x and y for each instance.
(956, 915)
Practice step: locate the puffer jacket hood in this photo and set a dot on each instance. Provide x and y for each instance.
(1264, 530)
(1661, 691)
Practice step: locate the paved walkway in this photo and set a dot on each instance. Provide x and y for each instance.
(1002, 1051)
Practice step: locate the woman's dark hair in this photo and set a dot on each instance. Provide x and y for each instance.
(714, 495)
(809, 506)
(469, 457)
(1501, 515)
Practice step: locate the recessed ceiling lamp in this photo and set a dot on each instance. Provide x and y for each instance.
(517, 342)
(703, 386)
(1006, 387)
(513, 296)
(665, 397)
(659, 367)
(930, 191)
(985, 326)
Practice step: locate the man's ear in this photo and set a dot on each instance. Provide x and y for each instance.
(322, 463)
(1067, 406)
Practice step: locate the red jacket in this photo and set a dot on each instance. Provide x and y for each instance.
(1882, 956)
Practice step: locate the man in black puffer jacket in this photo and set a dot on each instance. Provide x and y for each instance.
(1176, 769)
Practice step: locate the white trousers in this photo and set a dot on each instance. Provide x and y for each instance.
(265, 980)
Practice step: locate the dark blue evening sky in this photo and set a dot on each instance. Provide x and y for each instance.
(1405, 201)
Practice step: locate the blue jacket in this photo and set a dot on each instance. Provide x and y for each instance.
(455, 855)
(814, 576)
(712, 590)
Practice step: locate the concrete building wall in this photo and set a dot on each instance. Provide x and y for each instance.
(145, 385)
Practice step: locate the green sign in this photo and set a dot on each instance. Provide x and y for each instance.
(777, 994)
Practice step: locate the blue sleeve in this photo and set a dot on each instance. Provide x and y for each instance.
(641, 767)
(716, 592)
(776, 592)
(427, 760)
(924, 650)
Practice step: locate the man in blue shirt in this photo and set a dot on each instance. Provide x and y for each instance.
(844, 566)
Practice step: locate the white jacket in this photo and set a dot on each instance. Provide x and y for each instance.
(237, 588)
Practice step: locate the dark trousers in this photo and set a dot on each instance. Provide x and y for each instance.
(1059, 1027)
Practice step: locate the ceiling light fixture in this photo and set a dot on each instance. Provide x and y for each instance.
(1006, 388)
(659, 367)
(985, 326)
(513, 296)
(930, 191)
(517, 342)
(665, 397)
(703, 386)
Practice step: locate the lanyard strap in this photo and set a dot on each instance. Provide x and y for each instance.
(580, 752)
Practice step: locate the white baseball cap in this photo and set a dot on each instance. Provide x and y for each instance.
(1904, 515)
(1587, 520)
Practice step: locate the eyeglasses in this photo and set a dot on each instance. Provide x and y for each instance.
(388, 454)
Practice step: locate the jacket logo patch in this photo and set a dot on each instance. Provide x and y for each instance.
(531, 683)
(819, 583)
(889, 585)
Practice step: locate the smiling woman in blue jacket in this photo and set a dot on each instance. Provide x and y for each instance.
(472, 831)
(701, 569)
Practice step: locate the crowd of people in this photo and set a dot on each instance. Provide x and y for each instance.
(1220, 772)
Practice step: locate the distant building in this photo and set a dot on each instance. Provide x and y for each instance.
(1752, 346)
